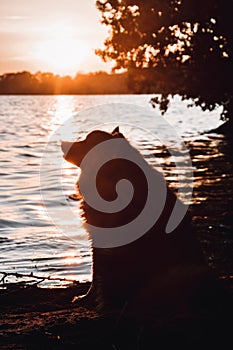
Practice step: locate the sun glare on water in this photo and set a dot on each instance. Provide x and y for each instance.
(60, 51)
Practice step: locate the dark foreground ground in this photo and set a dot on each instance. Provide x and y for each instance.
(38, 318)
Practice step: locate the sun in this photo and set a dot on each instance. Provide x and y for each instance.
(60, 51)
(62, 55)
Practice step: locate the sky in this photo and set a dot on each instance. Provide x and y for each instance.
(58, 36)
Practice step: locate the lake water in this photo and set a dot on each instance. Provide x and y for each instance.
(31, 127)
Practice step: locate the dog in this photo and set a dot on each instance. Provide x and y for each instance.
(157, 273)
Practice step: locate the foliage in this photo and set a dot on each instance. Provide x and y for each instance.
(177, 46)
(48, 83)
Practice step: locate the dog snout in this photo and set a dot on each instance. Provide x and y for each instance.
(66, 146)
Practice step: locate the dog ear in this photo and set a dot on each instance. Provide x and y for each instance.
(116, 133)
(116, 130)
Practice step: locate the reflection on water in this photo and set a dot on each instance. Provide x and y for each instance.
(62, 109)
(30, 242)
(212, 200)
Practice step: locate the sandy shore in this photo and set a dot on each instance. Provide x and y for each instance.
(37, 318)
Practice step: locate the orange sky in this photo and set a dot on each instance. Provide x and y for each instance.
(50, 35)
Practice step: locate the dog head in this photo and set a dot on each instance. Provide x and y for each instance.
(74, 152)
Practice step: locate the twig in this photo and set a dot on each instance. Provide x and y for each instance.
(31, 275)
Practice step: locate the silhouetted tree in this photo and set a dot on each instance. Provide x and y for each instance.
(174, 47)
(18, 83)
(49, 84)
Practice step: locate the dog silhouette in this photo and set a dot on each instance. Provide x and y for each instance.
(156, 274)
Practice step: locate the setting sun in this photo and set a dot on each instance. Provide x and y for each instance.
(62, 55)
(41, 36)
(61, 51)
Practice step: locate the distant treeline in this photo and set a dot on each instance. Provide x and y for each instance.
(23, 83)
